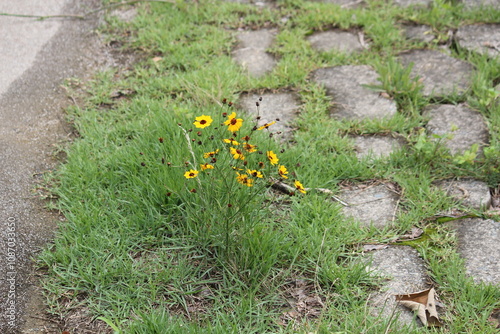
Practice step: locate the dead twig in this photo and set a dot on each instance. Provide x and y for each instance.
(287, 189)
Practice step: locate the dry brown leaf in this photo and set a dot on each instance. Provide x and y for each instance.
(157, 59)
(416, 307)
(424, 304)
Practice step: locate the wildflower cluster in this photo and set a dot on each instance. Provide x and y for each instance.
(247, 161)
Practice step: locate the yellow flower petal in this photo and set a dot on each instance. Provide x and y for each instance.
(233, 123)
(282, 171)
(237, 154)
(190, 174)
(249, 147)
(299, 186)
(202, 121)
(265, 126)
(244, 179)
(273, 158)
(210, 154)
(230, 141)
(255, 173)
(206, 166)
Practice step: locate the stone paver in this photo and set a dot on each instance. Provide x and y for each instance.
(335, 40)
(375, 146)
(481, 3)
(471, 193)
(282, 106)
(482, 38)
(421, 33)
(465, 125)
(351, 99)
(405, 272)
(251, 51)
(479, 245)
(441, 74)
(371, 205)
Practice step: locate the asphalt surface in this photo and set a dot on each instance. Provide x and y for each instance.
(35, 59)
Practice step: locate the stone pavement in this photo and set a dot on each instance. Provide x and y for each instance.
(376, 204)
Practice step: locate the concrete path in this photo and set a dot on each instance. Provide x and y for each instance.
(35, 57)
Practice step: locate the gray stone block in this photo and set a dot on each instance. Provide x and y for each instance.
(441, 74)
(371, 205)
(375, 146)
(283, 106)
(422, 33)
(482, 38)
(351, 99)
(472, 193)
(335, 40)
(465, 125)
(251, 51)
(479, 245)
(481, 4)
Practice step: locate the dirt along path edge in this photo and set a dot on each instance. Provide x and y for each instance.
(32, 124)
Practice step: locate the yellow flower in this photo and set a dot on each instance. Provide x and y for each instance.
(255, 173)
(299, 186)
(273, 158)
(249, 147)
(202, 121)
(282, 171)
(265, 126)
(190, 174)
(206, 166)
(233, 123)
(210, 154)
(244, 179)
(230, 141)
(237, 154)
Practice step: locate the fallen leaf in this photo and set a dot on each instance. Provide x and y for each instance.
(157, 59)
(494, 318)
(424, 304)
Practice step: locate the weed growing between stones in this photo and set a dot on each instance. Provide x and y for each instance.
(230, 166)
